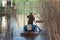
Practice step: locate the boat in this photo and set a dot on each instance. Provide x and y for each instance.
(30, 31)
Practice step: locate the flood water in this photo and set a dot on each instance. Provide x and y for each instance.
(17, 30)
(17, 36)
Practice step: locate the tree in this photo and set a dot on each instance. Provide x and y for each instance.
(51, 18)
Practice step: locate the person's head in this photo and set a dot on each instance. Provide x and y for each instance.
(30, 13)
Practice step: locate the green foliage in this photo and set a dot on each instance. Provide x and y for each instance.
(27, 6)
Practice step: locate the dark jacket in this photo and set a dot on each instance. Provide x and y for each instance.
(30, 19)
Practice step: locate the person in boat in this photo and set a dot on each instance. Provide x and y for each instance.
(30, 18)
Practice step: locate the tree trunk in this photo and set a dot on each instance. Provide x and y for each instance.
(51, 18)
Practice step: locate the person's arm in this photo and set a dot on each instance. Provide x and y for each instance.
(33, 18)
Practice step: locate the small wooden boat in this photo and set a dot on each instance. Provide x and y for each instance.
(29, 34)
(30, 31)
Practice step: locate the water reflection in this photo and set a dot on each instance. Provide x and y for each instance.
(18, 30)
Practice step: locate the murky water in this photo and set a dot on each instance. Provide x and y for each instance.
(18, 30)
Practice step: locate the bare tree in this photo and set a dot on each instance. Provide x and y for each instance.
(51, 18)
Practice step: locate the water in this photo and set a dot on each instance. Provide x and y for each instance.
(18, 30)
